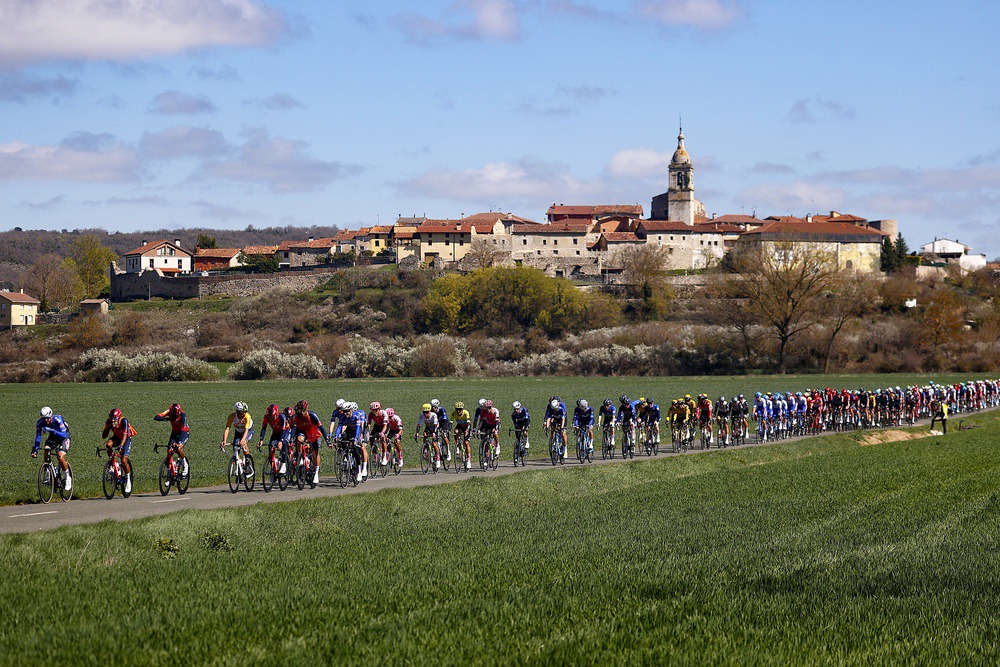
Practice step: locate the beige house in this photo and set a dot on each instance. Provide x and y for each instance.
(17, 309)
(559, 239)
(688, 246)
(163, 255)
(853, 248)
(448, 240)
(94, 306)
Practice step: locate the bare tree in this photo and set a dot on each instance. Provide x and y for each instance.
(644, 266)
(784, 285)
(54, 281)
(850, 296)
(482, 254)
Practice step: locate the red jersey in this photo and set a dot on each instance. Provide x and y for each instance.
(377, 419)
(309, 424)
(490, 417)
(122, 431)
(395, 424)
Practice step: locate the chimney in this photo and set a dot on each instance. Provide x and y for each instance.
(177, 242)
(713, 215)
(310, 239)
(143, 242)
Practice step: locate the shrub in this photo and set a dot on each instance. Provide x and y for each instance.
(103, 365)
(130, 329)
(272, 365)
(86, 332)
(441, 356)
(368, 359)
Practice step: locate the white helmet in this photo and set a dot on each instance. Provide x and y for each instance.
(46, 412)
(516, 405)
(353, 406)
(340, 402)
(435, 403)
(240, 406)
(482, 402)
(554, 404)
(583, 403)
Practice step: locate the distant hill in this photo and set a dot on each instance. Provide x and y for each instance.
(19, 249)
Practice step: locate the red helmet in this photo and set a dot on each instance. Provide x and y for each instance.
(115, 414)
(272, 411)
(302, 406)
(376, 406)
(289, 412)
(175, 410)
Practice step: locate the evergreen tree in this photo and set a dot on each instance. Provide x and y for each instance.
(890, 257)
(902, 250)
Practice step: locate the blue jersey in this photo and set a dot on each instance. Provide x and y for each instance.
(652, 413)
(583, 416)
(760, 407)
(57, 430)
(556, 413)
(606, 414)
(349, 423)
(442, 414)
(626, 413)
(520, 418)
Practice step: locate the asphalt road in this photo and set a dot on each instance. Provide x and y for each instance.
(30, 518)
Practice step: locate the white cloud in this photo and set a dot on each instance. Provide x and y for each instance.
(639, 163)
(282, 165)
(172, 103)
(807, 110)
(120, 30)
(702, 14)
(276, 102)
(183, 141)
(79, 160)
(479, 20)
(15, 87)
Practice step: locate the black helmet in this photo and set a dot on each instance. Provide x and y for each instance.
(623, 398)
(607, 402)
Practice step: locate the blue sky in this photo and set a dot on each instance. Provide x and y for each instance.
(140, 114)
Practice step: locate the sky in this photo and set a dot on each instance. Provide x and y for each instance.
(142, 114)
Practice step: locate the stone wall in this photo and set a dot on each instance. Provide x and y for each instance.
(138, 286)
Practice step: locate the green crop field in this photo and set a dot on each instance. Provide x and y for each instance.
(819, 551)
(85, 407)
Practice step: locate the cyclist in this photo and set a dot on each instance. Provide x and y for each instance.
(306, 422)
(121, 434)
(475, 418)
(394, 432)
(429, 420)
(583, 418)
(281, 433)
(463, 432)
(606, 418)
(626, 417)
(489, 423)
(57, 440)
(741, 410)
(722, 412)
(521, 420)
(444, 424)
(651, 418)
(351, 424)
(679, 415)
(179, 431)
(555, 417)
(377, 421)
(704, 413)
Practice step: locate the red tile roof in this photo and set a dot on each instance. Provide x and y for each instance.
(718, 227)
(800, 228)
(665, 226)
(260, 249)
(381, 229)
(502, 217)
(562, 227)
(315, 244)
(621, 237)
(217, 253)
(738, 219)
(19, 297)
(153, 245)
(633, 209)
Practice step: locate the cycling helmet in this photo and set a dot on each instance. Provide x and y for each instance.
(46, 412)
(289, 412)
(272, 411)
(352, 406)
(340, 403)
(174, 410)
(642, 399)
(758, 394)
(489, 404)
(516, 405)
(741, 397)
(303, 405)
(579, 402)
(390, 413)
(375, 406)
(554, 404)
(584, 404)
(240, 406)
(426, 407)
(722, 399)
(558, 398)
(482, 402)
(435, 403)
(115, 414)
(798, 393)
(623, 398)
(607, 402)
(459, 405)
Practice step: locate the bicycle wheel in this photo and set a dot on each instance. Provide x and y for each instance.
(46, 482)
(249, 472)
(590, 450)
(353, 468)
(343, 471)
(270, 475)
(183, 479)
(234, 474)
(396, 467)
(164, 478)
(108, 480)
(494, 453)
(445, 453)
(425, 458)
(554, 451)
(65, 494)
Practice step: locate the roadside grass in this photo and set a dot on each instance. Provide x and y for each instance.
(85, 407)
(814, 552)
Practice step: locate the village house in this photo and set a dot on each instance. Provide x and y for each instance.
(94, 307)
(18, 309)
(216, 259)
(688, 247)
(952, 253)
(163, 256)
(448, 240)
(559, 239)
(851, 247)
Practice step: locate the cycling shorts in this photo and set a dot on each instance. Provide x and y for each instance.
(178, 438)
(238, 435)
(126, 449)
(57, 444)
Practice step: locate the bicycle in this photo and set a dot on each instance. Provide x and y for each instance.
(556, 447)
(628, 441)
(520, 440)
(273, 475)
(608, 442)
(583, 453)
(649, 441)
(429, 453)
(705, 428)
(114, 476)
(241, 469)
(350, 465)
(395, 456)
(489, 454)
(51, 480)
(172, 471)
(375, 457)
(724, 435)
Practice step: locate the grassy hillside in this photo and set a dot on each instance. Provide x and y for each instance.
(816, 552)
(85, 408)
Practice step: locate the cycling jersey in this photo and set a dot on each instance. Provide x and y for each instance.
(722, 409)
(178, 423)
(490, 417)
(240, 424)
(704, 410)
(520, 418)
(558, 414)
(122, 434)
(583, 417)
(281, 428)
(679, 413)
(58, 433)
(461, 419)
(626, 413)
(442, 414)
(377, 420)
(651, 414)
(395, 425)
(309, 425)
(606, 415)
(429, 420)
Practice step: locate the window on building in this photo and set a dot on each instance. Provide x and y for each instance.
(577, 252)
(671, 238)
(659, 238)
(151, 260)
(849, 265)
(555, 241)
(524, 241)
(555, 252)
(545, 241)
(576, 241)
(538, 252)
